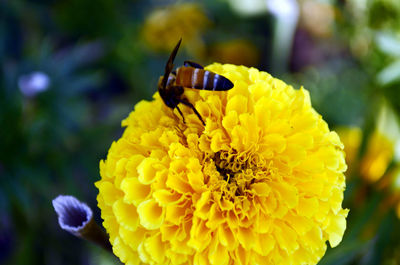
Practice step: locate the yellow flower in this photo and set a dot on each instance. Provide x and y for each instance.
(164, 26)
(377, 158)
(317, 18)
(239, 51)
(381, 147)
(351, 138)
(261, 183)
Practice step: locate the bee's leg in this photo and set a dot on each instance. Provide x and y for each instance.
(190, 105)
(192, 64)
(180, 112)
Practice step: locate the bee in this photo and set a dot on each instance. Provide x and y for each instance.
(191, 75)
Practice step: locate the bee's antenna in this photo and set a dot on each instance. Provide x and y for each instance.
(170, 63)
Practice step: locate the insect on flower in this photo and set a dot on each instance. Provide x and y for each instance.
(171, 85)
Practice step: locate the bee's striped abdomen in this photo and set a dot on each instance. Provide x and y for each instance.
(189, 77)
(213, 81)
(201, 79)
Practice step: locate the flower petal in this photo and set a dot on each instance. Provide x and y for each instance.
(151, 214)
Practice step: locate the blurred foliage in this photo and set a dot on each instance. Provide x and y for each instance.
(70, 71)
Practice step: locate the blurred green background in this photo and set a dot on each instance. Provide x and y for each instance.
(70, 71)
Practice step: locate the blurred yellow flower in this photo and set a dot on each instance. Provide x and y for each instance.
(164, 26)
(379, 154)
(240, 52)
(351, 138)
(261, 183)
(381, 145)
(317, 17)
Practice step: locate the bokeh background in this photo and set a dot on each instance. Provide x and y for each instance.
(71, 70)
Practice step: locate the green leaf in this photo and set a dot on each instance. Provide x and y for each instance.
(346, 254)
(388, 43)
(389, 74)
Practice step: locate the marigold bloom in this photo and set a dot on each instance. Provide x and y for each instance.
(317, 18)
(261, 183)
(379, 154)
(381, 146)
(164, 26)
(237, 51)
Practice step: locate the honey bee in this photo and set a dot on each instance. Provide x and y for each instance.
(191, 75)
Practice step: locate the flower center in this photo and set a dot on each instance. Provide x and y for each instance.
(237, 171)
(227, 165)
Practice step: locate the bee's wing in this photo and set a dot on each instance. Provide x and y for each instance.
(170, 64)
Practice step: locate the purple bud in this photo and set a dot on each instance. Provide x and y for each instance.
(76, 217)
(73, 215)
(33, 83)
